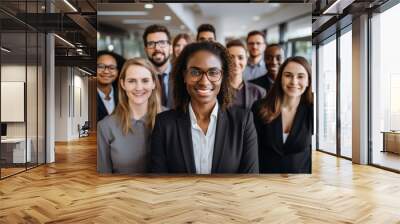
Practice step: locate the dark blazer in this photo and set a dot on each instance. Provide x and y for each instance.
(293, 156)
(101, 109)
(235, 149)
(252, 93)
(263, 81)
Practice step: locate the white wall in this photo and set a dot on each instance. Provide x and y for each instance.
(71, 94)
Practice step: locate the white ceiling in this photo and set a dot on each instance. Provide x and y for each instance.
(230, 19)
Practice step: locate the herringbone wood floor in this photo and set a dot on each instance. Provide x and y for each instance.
(70, 191)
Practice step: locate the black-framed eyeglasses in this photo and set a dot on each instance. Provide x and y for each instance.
(213, 74)
(103, 67)
(160, 43)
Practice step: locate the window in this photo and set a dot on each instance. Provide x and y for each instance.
(346, 94)
(327, 96)
(385, 86)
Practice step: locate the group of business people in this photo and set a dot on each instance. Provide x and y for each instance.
(198, 114)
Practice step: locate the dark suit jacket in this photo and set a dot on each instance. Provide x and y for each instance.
(101, 109)
(264, 82)
(252, 93)
(235, 149)
(293, 156)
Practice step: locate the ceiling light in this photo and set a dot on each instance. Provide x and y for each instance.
(110, 47)
(256, 18)
(122, 13)
(167, 18)
(65, 41)
(143, 21)
(148, 6)
(86, 72)
(5, 49)
(70, 5)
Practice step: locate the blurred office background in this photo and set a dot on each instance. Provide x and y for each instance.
(120, 26)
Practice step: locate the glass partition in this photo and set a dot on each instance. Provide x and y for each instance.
(22, 69)
(385, 89)
(327, 96)
(346, 94)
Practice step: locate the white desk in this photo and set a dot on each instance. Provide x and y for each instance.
(18, 149)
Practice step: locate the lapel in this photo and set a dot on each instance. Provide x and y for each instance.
(101, 109)
(185, 137)
(246, 91)
(277, 132)
(296, 129)
(116, 95)
(220, 138)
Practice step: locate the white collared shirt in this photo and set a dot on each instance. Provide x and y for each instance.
(203, 145)
(109, 104)
(284, 137)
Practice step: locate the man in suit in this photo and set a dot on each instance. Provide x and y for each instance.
(157, 45)
(274, 57)
(109, 64)
(203, 134)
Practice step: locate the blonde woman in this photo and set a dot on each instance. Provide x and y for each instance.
(123, 137)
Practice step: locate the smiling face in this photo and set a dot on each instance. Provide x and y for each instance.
(158, 54)
(256, 45)
(105, 76)
(203, 91)
(179, 46)
(294, 80)
(239, 59)
(138, 84)
(273, 59)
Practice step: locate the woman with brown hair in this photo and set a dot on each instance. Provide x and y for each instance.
(123, 137)
(284, 120)
(179, 42)
(203, 134)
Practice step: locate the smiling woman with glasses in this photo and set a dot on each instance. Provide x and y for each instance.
(203, 134)
(108, 66)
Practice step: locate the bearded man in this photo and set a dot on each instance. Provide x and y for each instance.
(157, 45)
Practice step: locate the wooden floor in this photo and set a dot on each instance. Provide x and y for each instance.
(70, 191)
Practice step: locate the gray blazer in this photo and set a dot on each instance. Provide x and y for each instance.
(119, 153)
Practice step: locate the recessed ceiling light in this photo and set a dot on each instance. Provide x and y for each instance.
(84, 71)
(148, 6)
(110, 47)
(64, 40)
(256, 18)
(167, 18)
